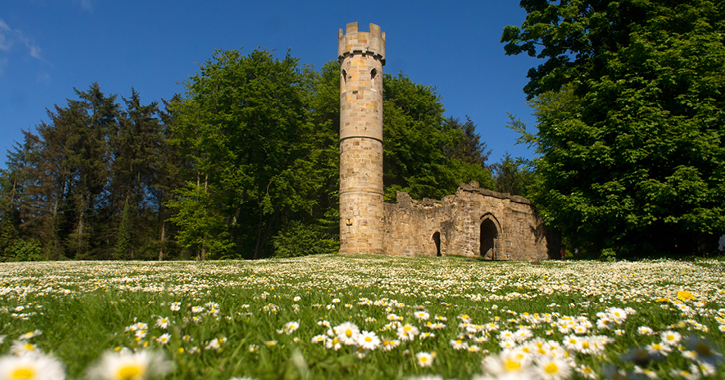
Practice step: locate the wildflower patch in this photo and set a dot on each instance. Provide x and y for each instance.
(361, 317)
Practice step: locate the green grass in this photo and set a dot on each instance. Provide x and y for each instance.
(84, 309)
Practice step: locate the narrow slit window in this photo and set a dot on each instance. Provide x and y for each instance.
(344, 77)
(373, 74)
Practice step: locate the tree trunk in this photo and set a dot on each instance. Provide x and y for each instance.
(163, 233)
(202, 255)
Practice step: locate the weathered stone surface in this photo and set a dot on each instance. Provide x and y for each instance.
(362, 56)
(473, 222)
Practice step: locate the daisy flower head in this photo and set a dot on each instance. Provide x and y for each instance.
(30, 335)
(347, 333)
(408, 332)
(522, 334)
(644, 330)
(31, 366)
(333, 343)
(425, 359)
(507, 344)
(506, 335)
(458, 344)
(162, 322)
(389, 344)
(127, 365)
(617, 314)
(551, 368)
(507, 362)
(658, 349)
(683, 373)
(164, 339)
(291, 327)
(214, 344)
(571, 342)
(421, 315)
(586, 372)
(645, 371)
(368, 340)
(426, 335)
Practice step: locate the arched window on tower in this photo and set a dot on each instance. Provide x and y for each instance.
(373, 78)
(344, 77)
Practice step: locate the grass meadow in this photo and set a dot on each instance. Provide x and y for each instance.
(363, 317)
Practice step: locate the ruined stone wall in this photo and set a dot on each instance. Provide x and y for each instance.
(511, 229)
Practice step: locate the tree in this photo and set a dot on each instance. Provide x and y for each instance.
(425, 155)
(630, 104)
(513, 176)
(466, 145)
(244, 129)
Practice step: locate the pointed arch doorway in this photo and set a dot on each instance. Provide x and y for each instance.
(489, 237)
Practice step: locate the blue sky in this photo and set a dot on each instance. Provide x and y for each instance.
(48, 47)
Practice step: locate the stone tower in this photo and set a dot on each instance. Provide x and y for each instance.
(361, 56)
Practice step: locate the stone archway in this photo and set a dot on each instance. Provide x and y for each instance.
(490, 230)
(437, 241)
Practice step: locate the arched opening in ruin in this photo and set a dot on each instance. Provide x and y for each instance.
(437, 241)
(344, 76)
(489, 233)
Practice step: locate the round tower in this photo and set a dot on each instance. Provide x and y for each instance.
(361, 56)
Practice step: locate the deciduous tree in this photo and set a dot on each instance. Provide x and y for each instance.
(630, 102)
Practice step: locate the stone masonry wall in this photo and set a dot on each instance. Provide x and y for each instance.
(511, 229)
(361, 56)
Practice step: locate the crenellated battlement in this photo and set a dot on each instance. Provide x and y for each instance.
(357, 42)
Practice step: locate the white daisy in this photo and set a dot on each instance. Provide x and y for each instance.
(31, 366)
(389, 344)
(127, 365)
(659, 348)
(671, 338)
(424, 359)
(347, 333)
(164, 339)
(162, 322)
(458, 344)
(551, 369)
(421, 315)
(368, 340)
(407, 332)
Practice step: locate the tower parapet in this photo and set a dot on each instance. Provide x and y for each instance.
(357, 42)
(361, 56)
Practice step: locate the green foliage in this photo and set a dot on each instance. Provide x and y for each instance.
(426, 155)
(631, 109)
(513, 176)
(299, 239)
(245, 127)
(25, 250)
(202, 227)
(123, 244)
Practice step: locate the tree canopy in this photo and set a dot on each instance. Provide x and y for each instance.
(630, 104)
(245, 164)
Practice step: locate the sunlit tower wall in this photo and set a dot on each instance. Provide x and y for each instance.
(362, 57)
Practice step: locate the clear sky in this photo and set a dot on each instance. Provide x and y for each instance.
(48, 47)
